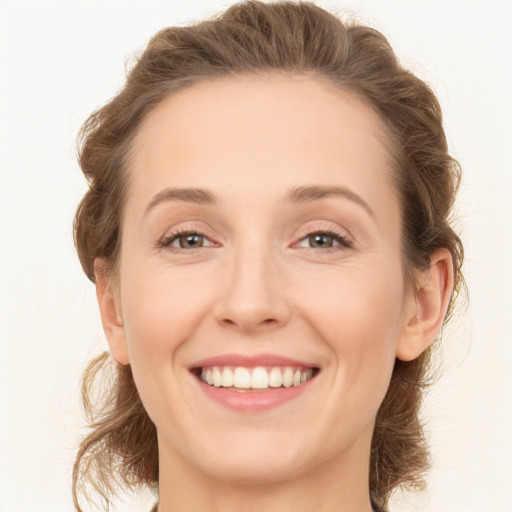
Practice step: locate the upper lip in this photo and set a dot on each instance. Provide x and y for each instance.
(250, 361)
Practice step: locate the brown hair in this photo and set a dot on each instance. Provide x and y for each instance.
(254, 37)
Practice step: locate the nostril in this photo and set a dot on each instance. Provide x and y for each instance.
(251, 324)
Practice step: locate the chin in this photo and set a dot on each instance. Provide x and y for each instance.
(252, 458)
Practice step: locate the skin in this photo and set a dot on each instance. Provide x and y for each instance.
(259, 285)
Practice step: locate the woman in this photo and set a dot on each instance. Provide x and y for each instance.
(267, 228)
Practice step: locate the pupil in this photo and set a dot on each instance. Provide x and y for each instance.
(191, 241)
(320, 240)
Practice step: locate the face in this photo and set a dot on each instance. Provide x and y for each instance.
(261, 254)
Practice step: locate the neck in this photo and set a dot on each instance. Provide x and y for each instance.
(335, 486)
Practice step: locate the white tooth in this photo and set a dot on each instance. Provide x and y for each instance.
(216, 376)
(242, 378)
(259, 378)
(203, 375)
(296, 378)
(227, 378)
(275, 378)
(209, 377)
(287, 377)
(303, 377)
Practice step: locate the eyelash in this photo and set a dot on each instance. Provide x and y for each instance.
(167, 240)
(344, 242)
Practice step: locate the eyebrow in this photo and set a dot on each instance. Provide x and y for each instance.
(190, 195)
(297, 195)
(315, 192)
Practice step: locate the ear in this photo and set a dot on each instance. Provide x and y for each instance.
(108, 301)
(427, 306)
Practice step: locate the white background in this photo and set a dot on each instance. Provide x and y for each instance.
(61, 60)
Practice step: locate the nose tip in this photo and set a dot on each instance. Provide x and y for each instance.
(253, 299)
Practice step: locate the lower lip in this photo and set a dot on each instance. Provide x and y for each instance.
(253, 401)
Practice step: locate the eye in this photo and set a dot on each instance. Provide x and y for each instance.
(324, 240)
(185, 240)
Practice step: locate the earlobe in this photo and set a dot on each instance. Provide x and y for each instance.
(429, 306)
(110, 314)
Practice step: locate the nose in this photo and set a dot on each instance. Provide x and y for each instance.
(253, 293)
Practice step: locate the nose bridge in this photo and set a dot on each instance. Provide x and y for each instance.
(252, 295)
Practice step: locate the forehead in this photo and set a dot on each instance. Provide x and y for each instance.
(269, 131)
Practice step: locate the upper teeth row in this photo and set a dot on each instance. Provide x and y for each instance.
(259, 378)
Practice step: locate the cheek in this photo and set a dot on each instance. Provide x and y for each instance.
(358, 314)
(353, 303)
(160, 311)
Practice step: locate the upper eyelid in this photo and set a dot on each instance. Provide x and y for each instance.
(189, 227)
(327, 231)
(330, 230)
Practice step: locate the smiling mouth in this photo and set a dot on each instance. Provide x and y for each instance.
(259, 378)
